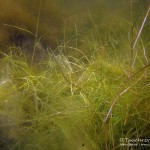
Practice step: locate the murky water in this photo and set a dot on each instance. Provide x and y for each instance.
(68, 27)
(25, 21)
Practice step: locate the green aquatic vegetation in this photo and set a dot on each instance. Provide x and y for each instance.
(84, 95)
(129, 116)
(71, 104)
(43, 105)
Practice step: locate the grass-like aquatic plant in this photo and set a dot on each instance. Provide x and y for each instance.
(65, 103)
(82, 96)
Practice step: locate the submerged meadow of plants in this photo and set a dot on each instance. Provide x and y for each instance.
(90, 91)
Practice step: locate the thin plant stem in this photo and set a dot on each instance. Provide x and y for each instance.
(37, 30)
(139, 33)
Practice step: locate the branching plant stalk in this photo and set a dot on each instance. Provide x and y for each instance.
(67, 80)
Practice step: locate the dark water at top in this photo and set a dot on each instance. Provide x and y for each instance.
(22, 22)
